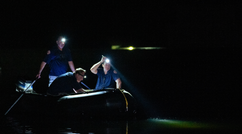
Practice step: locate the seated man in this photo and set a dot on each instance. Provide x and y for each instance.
(107, 77)
(67, 83)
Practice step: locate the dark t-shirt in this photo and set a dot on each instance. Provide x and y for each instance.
(64, 84)
(58, 60)
(106, 81)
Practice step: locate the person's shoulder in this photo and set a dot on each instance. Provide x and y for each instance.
(50, 50)
(115, 72)
(112, 71)
(65, 74)
(69, 73)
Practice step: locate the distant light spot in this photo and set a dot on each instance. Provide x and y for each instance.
(130, 48)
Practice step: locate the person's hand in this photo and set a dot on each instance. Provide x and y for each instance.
(80, 91)
(83, 91)
(103, 58)
(38, 75)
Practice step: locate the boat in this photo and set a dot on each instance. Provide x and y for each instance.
(107, 103)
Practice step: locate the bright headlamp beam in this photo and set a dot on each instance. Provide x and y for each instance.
(107, 60)
(63, 40)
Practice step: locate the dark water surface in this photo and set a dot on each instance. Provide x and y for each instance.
(178, 90)
(153, 125)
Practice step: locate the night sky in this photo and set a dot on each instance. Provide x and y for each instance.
(168, 23)
(198, 69)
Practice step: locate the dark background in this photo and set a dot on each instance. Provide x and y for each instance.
(197, 74)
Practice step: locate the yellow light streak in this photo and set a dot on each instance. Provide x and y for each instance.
(130, 48)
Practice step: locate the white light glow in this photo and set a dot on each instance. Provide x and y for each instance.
(63, 40)
(107, 60)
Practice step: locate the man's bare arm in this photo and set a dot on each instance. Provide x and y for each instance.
(42, 65)
(71, 65)
(95, 66)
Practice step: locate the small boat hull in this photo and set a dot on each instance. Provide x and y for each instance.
(111, 103)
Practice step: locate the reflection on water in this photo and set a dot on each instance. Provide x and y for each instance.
(71, 126)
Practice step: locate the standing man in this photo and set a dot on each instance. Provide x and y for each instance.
(58, 59)
(107, 77)
(68, 83)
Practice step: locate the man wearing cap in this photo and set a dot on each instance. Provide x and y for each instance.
(107, 77)
(67, 83)
(58, 59)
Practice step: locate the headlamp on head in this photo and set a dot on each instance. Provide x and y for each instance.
(63, 40)
(84, 76)
(107, 61)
